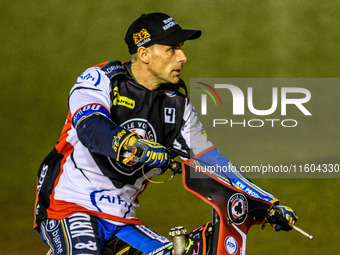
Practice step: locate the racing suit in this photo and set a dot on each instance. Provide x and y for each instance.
(84, 175)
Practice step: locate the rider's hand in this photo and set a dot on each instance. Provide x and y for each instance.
(154, 154)
(286, 215)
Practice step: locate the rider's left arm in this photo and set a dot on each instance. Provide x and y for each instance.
(193, 139)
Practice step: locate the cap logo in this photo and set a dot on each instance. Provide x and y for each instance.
(141, 37)
(168, 23)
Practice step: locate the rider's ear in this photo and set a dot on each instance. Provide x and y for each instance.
(143, 54)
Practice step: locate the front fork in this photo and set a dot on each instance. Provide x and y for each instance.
(212, 246)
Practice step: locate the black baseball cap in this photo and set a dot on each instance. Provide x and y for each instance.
(157, 28)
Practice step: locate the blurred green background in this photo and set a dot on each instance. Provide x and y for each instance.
(46, 44)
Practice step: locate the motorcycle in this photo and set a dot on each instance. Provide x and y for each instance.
(234, 211)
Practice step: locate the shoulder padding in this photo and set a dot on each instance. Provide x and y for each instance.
(113, 68)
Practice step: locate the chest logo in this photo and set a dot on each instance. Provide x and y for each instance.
(142, 127)
(122, 100)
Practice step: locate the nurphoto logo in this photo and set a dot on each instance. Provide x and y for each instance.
(277, 101)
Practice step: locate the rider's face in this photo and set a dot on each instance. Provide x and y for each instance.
(166, 62)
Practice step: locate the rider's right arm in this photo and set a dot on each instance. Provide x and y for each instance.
(89, 103)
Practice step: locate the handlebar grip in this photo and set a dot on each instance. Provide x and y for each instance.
(275, 217)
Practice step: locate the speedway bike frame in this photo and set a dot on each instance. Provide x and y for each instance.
(234, 211)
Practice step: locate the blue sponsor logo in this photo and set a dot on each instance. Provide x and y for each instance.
(88, 110)
(90, 77)
(230, 244)
(101, 197)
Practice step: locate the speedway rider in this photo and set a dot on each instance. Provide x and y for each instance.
(86, 194)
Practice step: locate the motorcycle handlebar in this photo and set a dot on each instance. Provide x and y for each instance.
(273, 216)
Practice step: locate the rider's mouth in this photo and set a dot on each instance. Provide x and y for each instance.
(177, 71)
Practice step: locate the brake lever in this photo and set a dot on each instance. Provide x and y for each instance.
(176, 152)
